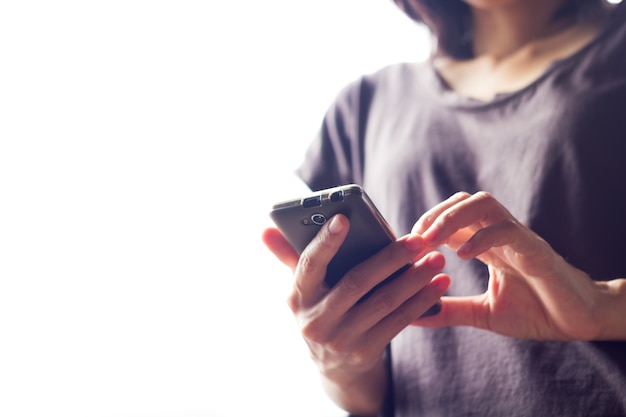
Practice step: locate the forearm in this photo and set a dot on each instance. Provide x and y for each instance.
(361, 396)
(612, 309)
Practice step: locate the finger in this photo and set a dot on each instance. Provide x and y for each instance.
(500, 234)
(311, 267)
(431, 215)
(409, 312)
(393, 294)
(359, 280)
(278, 245)
(353, 328)
(479, 210)
(527, 251)
(459, 311)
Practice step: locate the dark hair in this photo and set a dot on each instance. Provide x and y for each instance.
(450, 22)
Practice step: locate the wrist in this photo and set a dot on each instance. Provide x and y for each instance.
(612, 309)
(360, 393)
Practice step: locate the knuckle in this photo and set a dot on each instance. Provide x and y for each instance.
(306, 264)
(325, 242)
(402, 318)
(489, 205)
(312, 330)
(461, 194)
(483, 195)
(447, 217)
(351, 285)
(322, 247)
(382, 301)
(339, 345)
(510, 225)
(293, 301)
(428, 219)
(360, 356)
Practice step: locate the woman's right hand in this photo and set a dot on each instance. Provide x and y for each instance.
(347, 339)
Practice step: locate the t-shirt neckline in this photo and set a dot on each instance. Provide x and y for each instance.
(452, 98)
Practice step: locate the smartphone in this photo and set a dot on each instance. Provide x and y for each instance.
(300, 220)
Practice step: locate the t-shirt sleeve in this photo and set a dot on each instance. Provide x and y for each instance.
(335, 156)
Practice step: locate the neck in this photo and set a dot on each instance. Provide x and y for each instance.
(516, 26)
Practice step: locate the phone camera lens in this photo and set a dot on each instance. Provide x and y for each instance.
(318, 219)
(336, 197)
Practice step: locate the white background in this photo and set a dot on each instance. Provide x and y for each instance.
(142, 144)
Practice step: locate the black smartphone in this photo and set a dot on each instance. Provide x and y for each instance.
(300, 220)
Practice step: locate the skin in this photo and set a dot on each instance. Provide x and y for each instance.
(528, 42)
(533, 292)
(346, 339)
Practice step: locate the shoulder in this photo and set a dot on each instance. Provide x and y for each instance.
(397, 77)
(386, 86)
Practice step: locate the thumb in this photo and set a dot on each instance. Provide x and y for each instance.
(457, 311)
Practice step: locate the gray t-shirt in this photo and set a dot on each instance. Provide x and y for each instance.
(554, 153)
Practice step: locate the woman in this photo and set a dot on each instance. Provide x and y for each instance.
(506, 152)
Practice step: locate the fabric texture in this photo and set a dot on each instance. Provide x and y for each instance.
(553, 153)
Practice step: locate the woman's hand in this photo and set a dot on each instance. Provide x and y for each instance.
(533, 292)
(347, 338)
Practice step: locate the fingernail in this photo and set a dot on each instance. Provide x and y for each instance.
(466, 248)
(414, 243)
(336, 225)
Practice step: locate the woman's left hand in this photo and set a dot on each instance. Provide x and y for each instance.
(532, 292)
